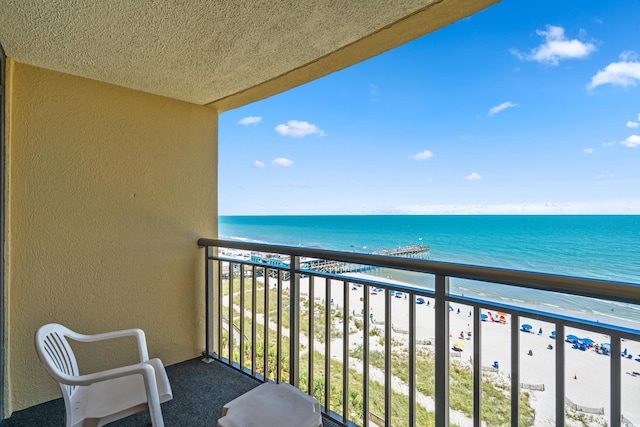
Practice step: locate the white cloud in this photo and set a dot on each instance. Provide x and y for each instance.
(556, 47)
(608, 144)
(588, 151)
(632, 125)
(281, 161)
(258, 164)
(473, 177)
(632, 142)
(298, 129)
(503, 106)
(623, 73)
(251, 120)
(423, 155)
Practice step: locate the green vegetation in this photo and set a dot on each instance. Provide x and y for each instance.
(399, 402)
(496, 403)
(584, 419)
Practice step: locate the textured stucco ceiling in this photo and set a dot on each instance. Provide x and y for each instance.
(205, 51)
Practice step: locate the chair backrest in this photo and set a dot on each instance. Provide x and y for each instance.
(56, 355)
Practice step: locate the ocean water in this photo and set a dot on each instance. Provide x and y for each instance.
(604, 247)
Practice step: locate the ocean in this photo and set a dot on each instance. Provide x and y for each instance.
(604, 247)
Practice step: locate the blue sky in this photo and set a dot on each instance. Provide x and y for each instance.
(526, 107)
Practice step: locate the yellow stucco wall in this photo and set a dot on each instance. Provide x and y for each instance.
(108, 191)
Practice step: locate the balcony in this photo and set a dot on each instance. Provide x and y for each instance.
(200, 391)
(407, 365)
(401, 375)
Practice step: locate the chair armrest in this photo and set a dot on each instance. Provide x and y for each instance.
(141, 341)
(145, 369)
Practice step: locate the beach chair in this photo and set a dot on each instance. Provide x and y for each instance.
(102, 397)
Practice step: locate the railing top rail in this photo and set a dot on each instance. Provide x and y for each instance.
(609, 290)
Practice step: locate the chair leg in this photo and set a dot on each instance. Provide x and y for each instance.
(153, 400)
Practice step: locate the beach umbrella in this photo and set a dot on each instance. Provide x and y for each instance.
(587, 341)
(540, 331)
(526, 327)
(572, 338)
(483, 316)
(458, 344)
(419, 300)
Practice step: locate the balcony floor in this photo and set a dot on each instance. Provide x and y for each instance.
(200, 390)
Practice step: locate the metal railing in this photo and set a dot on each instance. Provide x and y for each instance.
(272, 350)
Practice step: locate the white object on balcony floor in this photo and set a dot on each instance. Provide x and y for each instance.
(102, 397)
(272, 405)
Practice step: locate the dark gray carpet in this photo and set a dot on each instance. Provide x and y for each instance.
(200, 390)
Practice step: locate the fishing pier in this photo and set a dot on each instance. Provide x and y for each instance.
(339, 267)
(324, 265)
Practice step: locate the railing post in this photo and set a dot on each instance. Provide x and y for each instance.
(328, 318)
(294, 321)
(365, 355)
(515, 370)
(616, 381)
(345, 351)
(279, 326)
(477, 367)
(412, 360)
(208, 296)
(560, 375)
(442, 351)
(388, 366)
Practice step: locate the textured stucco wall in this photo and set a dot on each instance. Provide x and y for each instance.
(109, 189)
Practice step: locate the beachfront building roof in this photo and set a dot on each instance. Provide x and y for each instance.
(109, 131)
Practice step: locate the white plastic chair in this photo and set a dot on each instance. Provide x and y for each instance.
(99, 398)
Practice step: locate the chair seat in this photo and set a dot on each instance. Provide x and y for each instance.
(125, 395)
(272, 405)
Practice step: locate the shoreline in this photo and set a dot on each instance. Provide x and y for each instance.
(610, 313)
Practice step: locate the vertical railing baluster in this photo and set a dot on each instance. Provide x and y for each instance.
(345, 352)
(477, 367)
(312, 332)
(616, 381)
(209, 304)
(254, 332)
(230, 323)
(365, 356)
(241, 340)
(294, 321)
(442, 351)
(515, 370)
(267, 276)
(219, 308)
(412, 360)
(327, 347)
(387, 357)
(279, 328)
(560, 368)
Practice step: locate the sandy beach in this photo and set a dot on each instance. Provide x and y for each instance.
(586, 372)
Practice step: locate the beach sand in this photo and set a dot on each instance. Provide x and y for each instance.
(586, 372)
